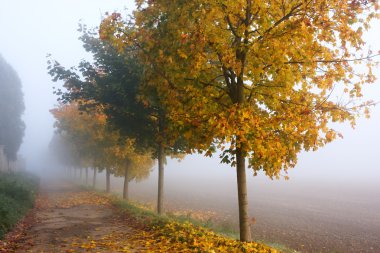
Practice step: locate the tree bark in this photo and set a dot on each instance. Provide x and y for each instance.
(245, 233)
(86, 176)
(126, 183)
(94, 179)
(108, 180)
(160, 198)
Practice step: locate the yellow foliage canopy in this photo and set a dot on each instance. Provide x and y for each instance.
(89, 132)
(253, 75)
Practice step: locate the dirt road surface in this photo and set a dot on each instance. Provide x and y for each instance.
(68, 219)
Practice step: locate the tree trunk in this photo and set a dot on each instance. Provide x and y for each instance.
(126, 181)
(108, 180)
(160, 198)
(80, 175)
(94, 179)
(86, 176)
(245, 233)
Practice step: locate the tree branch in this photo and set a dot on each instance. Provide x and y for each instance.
(334, 60)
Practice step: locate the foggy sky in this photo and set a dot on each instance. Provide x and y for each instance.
(29, 31)
(32, 29)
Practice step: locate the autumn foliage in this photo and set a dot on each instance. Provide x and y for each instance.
(256, 80)
(252, 78)
(93, 144)
(147, 235)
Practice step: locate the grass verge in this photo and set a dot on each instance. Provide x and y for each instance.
(199, 236)
(17, 195)
(201, 232)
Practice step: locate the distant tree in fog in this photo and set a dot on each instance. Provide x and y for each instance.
(114, 81)
(87, 140)
(133, 166)
(11, 109)
(62, 150)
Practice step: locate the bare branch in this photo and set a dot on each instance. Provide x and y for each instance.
(334, 60)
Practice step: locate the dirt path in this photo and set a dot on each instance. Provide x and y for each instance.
(68, 219)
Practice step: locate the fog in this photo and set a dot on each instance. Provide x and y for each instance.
(336, 189)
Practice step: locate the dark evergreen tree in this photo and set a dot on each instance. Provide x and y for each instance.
(11, 109)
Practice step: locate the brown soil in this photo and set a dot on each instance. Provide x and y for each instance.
(311, 217)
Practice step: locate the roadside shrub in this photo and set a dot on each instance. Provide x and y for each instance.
(17, 194)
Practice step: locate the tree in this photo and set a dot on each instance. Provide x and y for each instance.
(11, 109)
(93, 142)
(114, 82)
(73, 144)
(253, 78)
(87, 140)
(63, 151)
(133, 166)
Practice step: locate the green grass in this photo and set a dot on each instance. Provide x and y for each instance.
(17, 195)
(280, 247)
